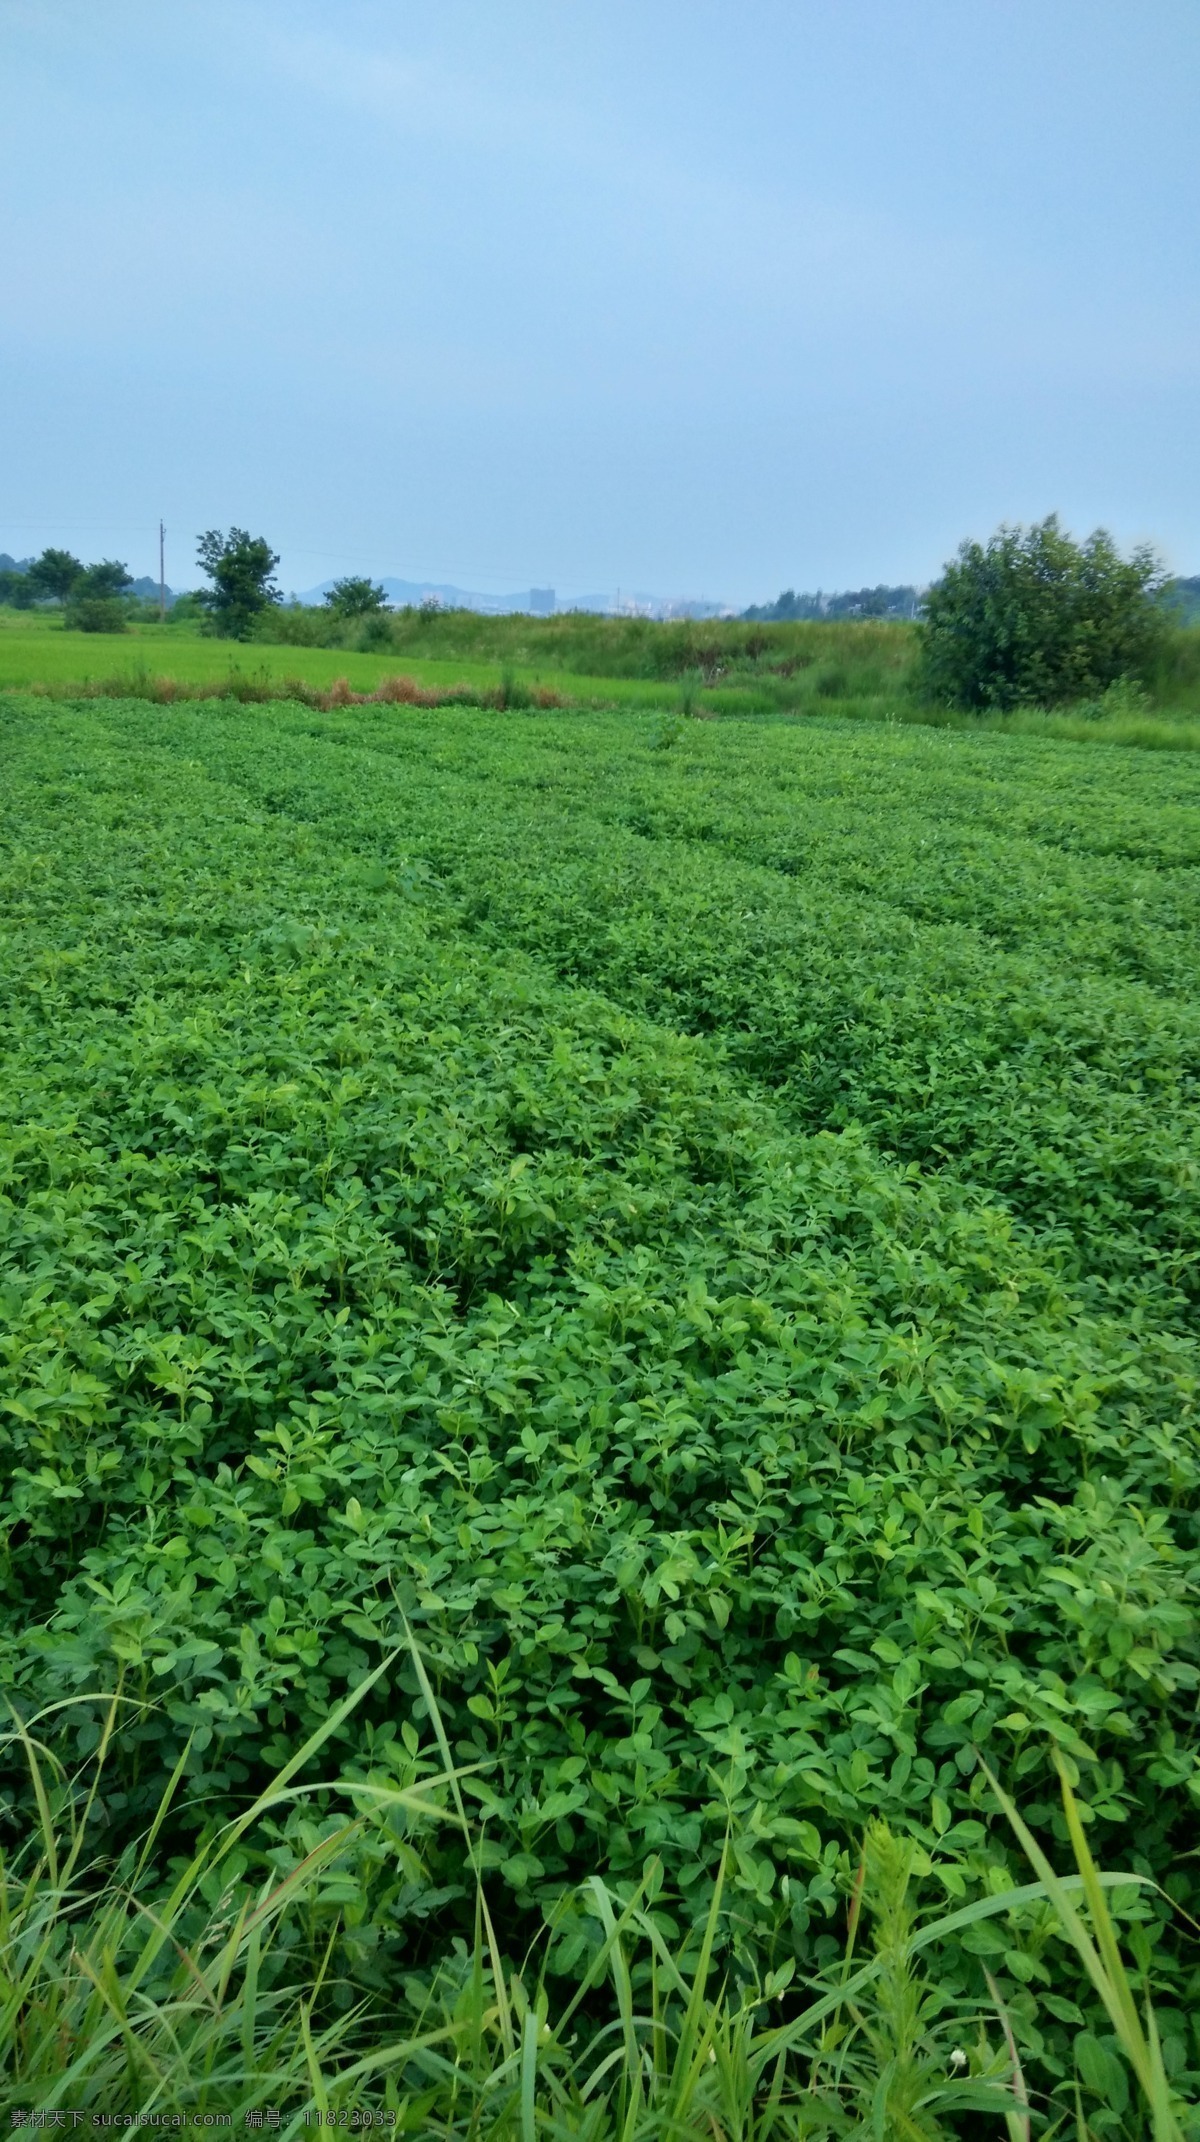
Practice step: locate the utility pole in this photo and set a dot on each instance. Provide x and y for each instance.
(162, 573)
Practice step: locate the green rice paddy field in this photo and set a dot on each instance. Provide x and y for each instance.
(696, 1222)
(39, 654)
(857, 670)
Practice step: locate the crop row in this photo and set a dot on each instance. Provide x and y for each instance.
(985, 970)
(358, 1273)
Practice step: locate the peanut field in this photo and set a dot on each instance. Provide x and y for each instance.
(692, 1225)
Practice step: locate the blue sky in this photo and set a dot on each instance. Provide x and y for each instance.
(706, 297)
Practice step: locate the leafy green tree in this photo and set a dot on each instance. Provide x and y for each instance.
(1033, 618)
(96, 603)
(1182, 598)
(356, 598)
(240, 567)
(15, 589)
(103, 582)
(52, 577)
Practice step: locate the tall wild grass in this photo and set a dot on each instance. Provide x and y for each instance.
(192, 1990)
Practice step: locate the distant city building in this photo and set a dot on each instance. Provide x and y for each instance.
(540, 602)
(669, 609)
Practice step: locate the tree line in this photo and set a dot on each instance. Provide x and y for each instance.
(898, 604)
(1029, 618)
(241, 588)
(95, 597)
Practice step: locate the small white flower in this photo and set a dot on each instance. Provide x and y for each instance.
(958, 2060)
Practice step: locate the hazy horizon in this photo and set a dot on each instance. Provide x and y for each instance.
(662, 296)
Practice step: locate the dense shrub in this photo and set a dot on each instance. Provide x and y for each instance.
(1033, 618)
(96, 613)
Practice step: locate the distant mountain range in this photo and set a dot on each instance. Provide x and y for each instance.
(1182, 595)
